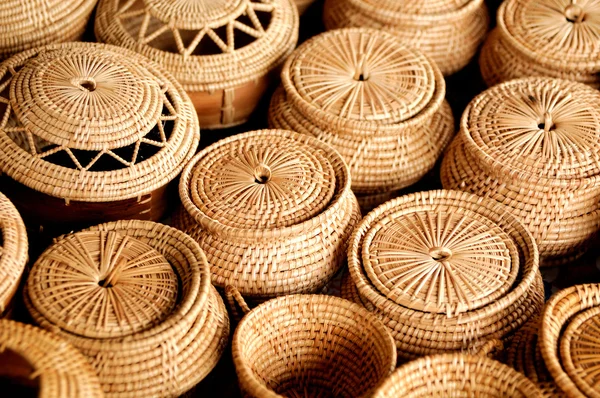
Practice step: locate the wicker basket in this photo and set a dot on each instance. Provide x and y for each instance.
(455, 375)
(135, 297)
(534, 145)
(36, 360)
(93, 133)
(379, 103)
(225, 53)
(311, 346)
(569, 339)
(445, 271)
(449, 31)
(553, 38)
(34, 23)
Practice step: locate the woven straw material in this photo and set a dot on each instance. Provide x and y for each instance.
(135, 297)
(534, 145)
(35, 23)
(221, 51)
(445, 271)
(56, 368)
(554, 38)
(311, 346)
(455, 375)
(449, 31)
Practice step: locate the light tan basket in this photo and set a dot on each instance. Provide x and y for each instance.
(445, 271)
(311, 346)
(455, 375)
(534, 145)
(553, 38)
(379, 103)
(225, 53)
(449, 31)
(135, 297)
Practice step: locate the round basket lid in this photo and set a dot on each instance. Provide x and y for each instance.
(92, 122)
(13, 251)
(103, 284)
(419, 7)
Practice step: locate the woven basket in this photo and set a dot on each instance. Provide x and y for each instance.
(135, 297)
(455, 375)
(449, 31)
(40, 361)
(379, 103)
(554, 38)
(35, 23)
(311, 346)
(569, 339)
(445, 271)
(534, 145)
(225, 53)
(93, 133)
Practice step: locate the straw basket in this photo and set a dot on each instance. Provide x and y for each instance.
(379, 103)
(92, 133)
(534, 145)
(445, 271)
(449, 31)
(135, 297)
(553, 38)
(455, 375)
(311, 346)
(225, 53)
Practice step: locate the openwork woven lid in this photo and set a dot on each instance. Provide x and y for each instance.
(13, 251)
(418, 7)
(92, 122)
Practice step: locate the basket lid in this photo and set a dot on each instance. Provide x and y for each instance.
(103, 284)
(13, 251)
(92, 122)
(418, 7)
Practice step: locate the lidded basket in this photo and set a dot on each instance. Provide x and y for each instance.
(135, 297)
(552, 38)
(225, 53)
(533, 144)
(449, 31)
(91, 133)
(445, 271)
(313, 346)
(378, 102)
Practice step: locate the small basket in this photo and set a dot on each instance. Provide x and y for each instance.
(553, 38)
(225, 53)
(135, 297)
(533, 144)
(311, 346)
(455, 375)
(449, 31)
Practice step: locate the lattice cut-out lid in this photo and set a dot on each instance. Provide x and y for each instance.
(418, 7)
(92, 122)
(13, 251)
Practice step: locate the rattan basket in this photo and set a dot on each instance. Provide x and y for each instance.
(445, 271)
(553, 38)
(91, 133)
(35, 23)
(379, 103)
(225, 53)
(43, 365)
(311, 346)
(455, 375)
(534, 145)
(449, 31)
(135, 297)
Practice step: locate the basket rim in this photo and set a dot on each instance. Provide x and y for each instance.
(386, 14)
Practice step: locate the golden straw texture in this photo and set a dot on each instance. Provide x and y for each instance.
(311, 346)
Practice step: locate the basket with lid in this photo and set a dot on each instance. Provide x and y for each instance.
(378, 102)
(225, 53)
(135, 297)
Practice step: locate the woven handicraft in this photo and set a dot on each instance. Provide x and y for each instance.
(534, 145)
(135, 297)
(449, 31)
(223, 52)
(553, 38)
(445, 271)
(311, 346)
